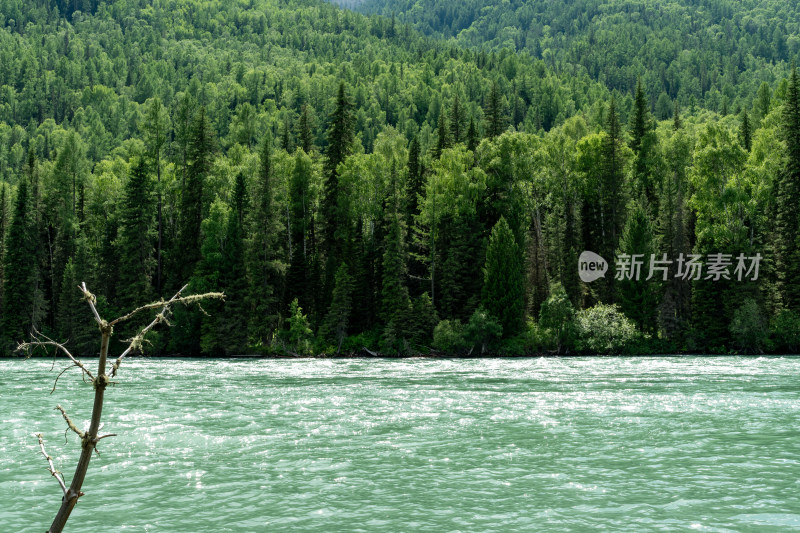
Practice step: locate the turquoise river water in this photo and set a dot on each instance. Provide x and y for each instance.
(549, 444)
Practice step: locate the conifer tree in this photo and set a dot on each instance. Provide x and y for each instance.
(4, 220)
(495, 114)
(305, 134)
(745, 133)
(299, 279)
(341, 137)
(676, 117)
(472, 136)
(264, 256)
(504, 279)
(200, 154)
(395, 300)
(611, 194)
(135, 239)
(233, 324)
(638, 297)
(442, 137)
(337, 321)
(156, 126)
(787, 214)
(640, 120)
(18, 293)
(456, 121)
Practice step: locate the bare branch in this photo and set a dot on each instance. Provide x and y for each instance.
(70, 423)
(92, 301)
(39, 343)
(53, 472)
(136, 342)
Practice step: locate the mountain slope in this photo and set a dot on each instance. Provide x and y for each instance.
(715, 51)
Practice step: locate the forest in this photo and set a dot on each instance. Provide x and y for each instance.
(352, 184)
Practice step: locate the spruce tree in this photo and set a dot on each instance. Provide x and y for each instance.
(299, 279)
(676, 117)
(504, 279)
(442, 137)
(395, 300)
(264, 256)
(305, 133)
(611, 194)
(156, 126)
(787, 214)
(341, 136)
(472, 136)
(640, 120)
(456, 121)
(135, 239)
(4, 220)
(638, 298)
(200, 153)
(18, 293)
(745, 133)
(337, 321)
(495, 115)
(233, 324)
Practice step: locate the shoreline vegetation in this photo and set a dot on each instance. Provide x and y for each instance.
(349, 182)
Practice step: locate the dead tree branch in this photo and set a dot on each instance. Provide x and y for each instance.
(53, 472)
(100, 380)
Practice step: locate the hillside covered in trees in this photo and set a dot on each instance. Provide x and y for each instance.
(716, 53)
(349, 182)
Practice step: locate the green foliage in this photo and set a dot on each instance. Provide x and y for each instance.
(556, 318)
(482, 332)
(448, 337)
(749, 328)
(334, 328)
(785, 329)
(298, 337)
(605, 330)
(504, 281)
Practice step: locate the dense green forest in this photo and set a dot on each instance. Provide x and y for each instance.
(349, 182)
(716, 53)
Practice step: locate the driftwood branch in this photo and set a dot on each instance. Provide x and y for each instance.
(53, 472)
(100, 380)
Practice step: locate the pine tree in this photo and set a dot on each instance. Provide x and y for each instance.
(472, 136)
(745, 133)
(456, 120)
(299, 279)
(787, 215)
(337, 321)
(4, 221)
(395, 300)
(414, 182)
(18, 293)
(135, 239)
(611, 195)
(304, 130)
(200, 154)
(264, 252)
(156, 126)
(638, 297)
(341, 137)
(640, 120)
(442, 137)
(676, 117)
(495, 115)
(233, 324)
(504, 279)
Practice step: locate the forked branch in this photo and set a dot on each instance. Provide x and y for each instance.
(100, 380)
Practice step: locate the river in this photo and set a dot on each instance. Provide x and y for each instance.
(560, 444)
